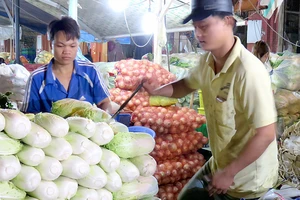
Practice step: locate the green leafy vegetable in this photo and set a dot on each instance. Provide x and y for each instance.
(93, 113)
(9, 146)
(129, 145)
(10, 191)
(66, 107)
(5, 102)
(140, 188)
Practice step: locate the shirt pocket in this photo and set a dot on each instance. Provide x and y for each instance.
(225, 112)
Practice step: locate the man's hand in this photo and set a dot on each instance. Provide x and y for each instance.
(108, 106)
(255, 147)
(150, 87)
(154, 90)
(220, 182)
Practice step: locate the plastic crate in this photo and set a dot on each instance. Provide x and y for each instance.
(123, 118)
(203, 130)
(142, 129)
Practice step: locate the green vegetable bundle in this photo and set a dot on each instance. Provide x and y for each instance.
(5, 102)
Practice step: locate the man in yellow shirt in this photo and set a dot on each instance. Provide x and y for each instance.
(239, 107)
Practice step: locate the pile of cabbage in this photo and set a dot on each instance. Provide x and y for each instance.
(77, 153)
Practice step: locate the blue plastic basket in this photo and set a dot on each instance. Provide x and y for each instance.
(123, 118)
(142, 129)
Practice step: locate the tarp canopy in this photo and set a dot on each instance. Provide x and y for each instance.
(100, 22)
(30, 16)
(98, 18)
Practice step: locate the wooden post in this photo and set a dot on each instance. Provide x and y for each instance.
(104, 52)
(11, 48)
(94, 52)
(46, 44)
(176, 42)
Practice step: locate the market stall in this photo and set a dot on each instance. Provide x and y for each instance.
(169, 160)
(78, 152)
(174, 153)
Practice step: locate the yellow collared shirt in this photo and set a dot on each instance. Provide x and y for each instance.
(237, 101)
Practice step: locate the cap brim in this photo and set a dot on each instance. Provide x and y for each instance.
(197, 16)
(187, 19)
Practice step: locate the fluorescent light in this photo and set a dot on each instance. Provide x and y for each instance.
(149, 22)
(118, 5)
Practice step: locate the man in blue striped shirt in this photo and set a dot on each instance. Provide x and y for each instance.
(64, 77)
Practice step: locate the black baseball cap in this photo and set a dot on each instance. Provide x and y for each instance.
(201, 9)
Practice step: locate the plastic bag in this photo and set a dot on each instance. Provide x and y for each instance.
(15, 74)
(287, 74)
(287, 102)
(16, 96)
(5, 71)
(285, 193)
(13, 79)
(106, 68)
(162, 101)
(272, 195)
(19, 71)
(185, 60)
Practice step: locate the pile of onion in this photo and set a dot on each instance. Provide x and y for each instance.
(141, 99)
(171, 191)
(170, 119)
(131, 72)
(179, 168)
(168, 146)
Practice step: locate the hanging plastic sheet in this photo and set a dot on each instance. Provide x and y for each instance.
(272, 5)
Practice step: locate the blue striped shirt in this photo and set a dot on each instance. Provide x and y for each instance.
(43, 88)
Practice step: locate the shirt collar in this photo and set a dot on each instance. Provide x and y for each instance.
(235, 52)
(78, 70)
(50, 77)
(210, 60)
(231, 58)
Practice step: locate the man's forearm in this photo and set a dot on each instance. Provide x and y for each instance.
(181, 89)
(176, 89)
(254, 149)
(165, 90)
